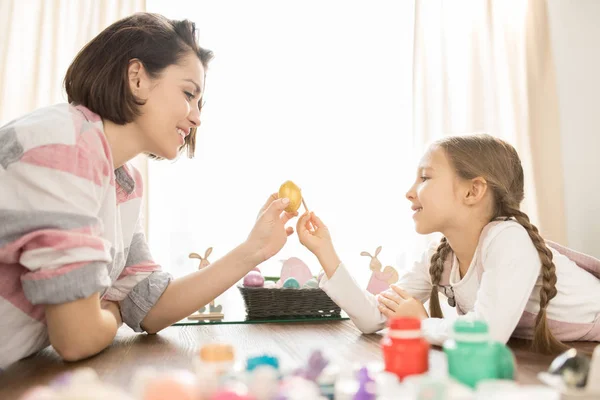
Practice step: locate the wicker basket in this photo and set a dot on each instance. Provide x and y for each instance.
(287, 303)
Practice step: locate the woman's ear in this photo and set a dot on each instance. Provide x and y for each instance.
(476, 191)
(138, 78)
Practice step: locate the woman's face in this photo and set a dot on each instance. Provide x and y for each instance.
(172, 106)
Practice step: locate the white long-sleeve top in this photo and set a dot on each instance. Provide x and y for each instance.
(502, 287)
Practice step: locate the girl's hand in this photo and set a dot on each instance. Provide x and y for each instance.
(395, 302)
(314, 235)
(270, 233)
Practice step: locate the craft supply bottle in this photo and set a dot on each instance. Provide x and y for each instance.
(405, 351)
(473, 356)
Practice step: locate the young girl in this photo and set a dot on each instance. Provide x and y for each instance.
(74, 262)
(492, 263)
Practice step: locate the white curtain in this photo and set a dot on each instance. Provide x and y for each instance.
(486, 66)
(39, 39)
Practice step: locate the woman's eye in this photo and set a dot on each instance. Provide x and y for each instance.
(424, 178)
(189, 95)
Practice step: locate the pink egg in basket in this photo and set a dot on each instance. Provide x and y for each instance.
(254, 279)
(294, 267)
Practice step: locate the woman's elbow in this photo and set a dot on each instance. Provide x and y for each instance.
(72, 353)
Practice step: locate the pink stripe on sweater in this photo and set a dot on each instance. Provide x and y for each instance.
(563, 331)
(11, 253)
(51, 273)
(67, 158)
(89, 115)
(63, 240)
(146, 266)
(12, 291)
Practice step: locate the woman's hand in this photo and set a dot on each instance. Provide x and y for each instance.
(270, 233)
(395, 302)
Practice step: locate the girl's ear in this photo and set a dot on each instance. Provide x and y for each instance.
(475, 191)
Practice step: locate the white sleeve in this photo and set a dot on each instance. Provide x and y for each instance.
(511, 266)
(361, 306)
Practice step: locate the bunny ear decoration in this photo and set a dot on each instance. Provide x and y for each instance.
(208, 251)
(377, 251)
(364, 253)
(195, 255)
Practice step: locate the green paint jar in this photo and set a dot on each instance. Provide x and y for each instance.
(473, 356)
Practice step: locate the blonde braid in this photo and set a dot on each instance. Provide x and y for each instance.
(543, 339)
(436, 269)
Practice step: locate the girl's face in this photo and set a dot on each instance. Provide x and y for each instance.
(435, 195)
(172, 106)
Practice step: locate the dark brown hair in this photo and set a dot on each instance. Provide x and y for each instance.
(97, 77)
(499, 164)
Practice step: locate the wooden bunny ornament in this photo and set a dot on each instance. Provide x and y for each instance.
(380, 280)
(205, 263)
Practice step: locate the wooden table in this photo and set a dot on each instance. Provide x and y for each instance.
(176, 346)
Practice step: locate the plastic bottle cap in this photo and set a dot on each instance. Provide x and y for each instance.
(217, 352)
(404, 324)
(467, 326)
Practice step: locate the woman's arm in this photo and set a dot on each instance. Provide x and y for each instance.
(80, 328)
(185, 295)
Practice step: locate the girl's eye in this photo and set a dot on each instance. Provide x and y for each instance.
(189, 95)
(424, 178)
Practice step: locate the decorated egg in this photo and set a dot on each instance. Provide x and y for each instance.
(270, 284)
(291, 283)
(311, 284)
(294, 267)
(254, 279)
(290, 190)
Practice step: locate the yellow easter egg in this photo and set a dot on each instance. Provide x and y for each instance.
(290, 190)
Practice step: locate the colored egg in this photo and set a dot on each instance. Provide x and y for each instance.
(254, 279)
(294, 267)
(290, 190)
(291, 283)
(311, 284)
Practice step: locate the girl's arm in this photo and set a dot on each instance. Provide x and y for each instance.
(340, 286)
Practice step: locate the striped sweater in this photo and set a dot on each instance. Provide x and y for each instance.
(70, 226)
